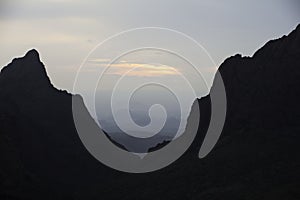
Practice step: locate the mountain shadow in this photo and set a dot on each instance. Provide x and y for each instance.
(257, 156)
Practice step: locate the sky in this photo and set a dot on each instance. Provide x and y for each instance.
(65, 31)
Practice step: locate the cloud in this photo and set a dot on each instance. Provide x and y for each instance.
(132, 68)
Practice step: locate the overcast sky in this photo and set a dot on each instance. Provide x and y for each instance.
(65, 31)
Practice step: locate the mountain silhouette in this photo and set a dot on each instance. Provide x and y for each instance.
(257, 156)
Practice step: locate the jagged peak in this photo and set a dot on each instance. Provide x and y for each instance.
(27, 71)
(32, 54)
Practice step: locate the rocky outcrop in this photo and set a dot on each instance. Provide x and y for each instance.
(263, 90)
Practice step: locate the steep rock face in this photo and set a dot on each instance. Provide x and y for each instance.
(263, 90)
(257, 152)
(38, 136)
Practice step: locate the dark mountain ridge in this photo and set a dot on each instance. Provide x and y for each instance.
(256, 157)
(268, 83)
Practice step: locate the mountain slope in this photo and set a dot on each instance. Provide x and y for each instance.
(263, 90)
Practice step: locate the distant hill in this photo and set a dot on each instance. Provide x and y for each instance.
(257, 156)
